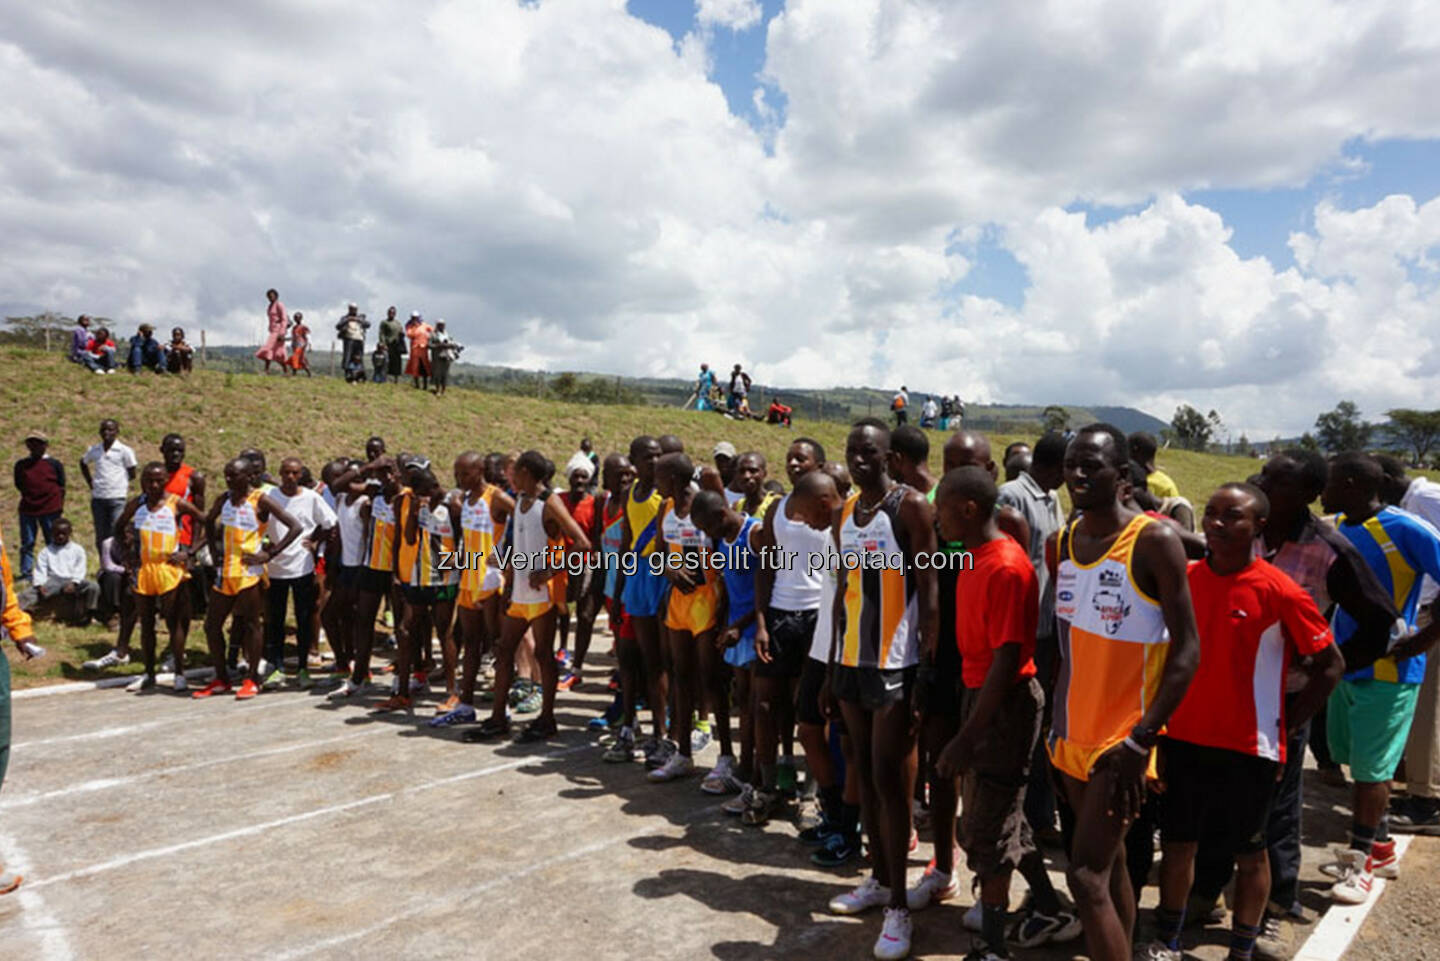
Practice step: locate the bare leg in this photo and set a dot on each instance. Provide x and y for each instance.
(685, 659)
(647, 635)
(1097, 876)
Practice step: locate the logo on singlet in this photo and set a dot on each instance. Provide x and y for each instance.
(1113, 610)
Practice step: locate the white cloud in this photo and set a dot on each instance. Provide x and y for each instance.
(563, 183)
(732, 14)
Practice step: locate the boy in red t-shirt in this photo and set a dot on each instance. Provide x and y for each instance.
(1225, 743)
(997, 607)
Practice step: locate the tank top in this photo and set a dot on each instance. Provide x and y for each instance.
(796, 589)
(158, 533)
(477, 535)
(881, 609)
(379, 551)
(352, 529)
(641, 514)
(240, 533)
(825, 616)
(530, 551)
(179, 485)
(1113, 644)
(683, 537)
(434, 537)
(611, 537)
(737, 500)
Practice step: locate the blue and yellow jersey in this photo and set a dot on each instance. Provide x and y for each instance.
(1400, 549)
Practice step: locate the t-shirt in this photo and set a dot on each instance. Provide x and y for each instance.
(110, 470)
(352, 529)
(1422, 498)
(1161, 485)
(996, 603)
(1251, 625)
(41, 482)
(1041, 510)
(581, 508)
(1399, 548)
(310, 512)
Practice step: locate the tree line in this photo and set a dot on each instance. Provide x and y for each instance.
(1407, 431)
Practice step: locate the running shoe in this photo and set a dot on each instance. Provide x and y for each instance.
(419, 684)
(273, 680)
(894, 940)
(658, 752)
(762, 805)
(216, 686)
(1357, 880)
(113, 659)
(347, 689)
(449, 704)
(531, 703)
(1157, 951)
(817, 832)
(699, 737)
(459, 714)
(167, 666)
(519, 690)
(1035, 929)
(721, 779)
(982, 952)
(303, 680)
(1420, 816)
(868, 895)
(933, 887)
(144, 684)
(610, 718)
(1276, 940)
(675, 767)
(568, 680)
(623, 751)
(247, 690)
(1383, 863)
(914, 841)
(181, 685)
(737, 804)
(562, 657)
(836, 850)
(394, 702)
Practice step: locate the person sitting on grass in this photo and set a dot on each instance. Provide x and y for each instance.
(144, 351)
(99, 353)
(179, 356)
(778, 413)
(59, 583)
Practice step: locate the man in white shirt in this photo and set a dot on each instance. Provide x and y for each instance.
(1419, 811)
(293, 571)
(108, 468)
(60, 580)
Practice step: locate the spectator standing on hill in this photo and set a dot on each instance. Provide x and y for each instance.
(40, 479)
(392, 338)
(351, 328)
(80, 339)
(703, 385)
(299, 347)
(899, 406)
(739, 389)
(61, 583)
(179, 356)
(443, 351)
(274, 346)
(929, 412)
(145, 351)
(108, 468)
(418, 333)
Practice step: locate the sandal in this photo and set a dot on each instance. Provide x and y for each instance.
(536, 731)
(489, 730)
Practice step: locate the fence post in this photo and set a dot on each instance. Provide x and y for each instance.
(204, 355)
(332, 358)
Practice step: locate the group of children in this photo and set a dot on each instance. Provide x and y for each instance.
(938, 645)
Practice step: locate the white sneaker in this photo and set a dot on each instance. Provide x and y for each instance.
(974, 919)
(1355, 884)
(932, 888)
(894, 940)
(145, 682)
(868, 895)
(737, 804)
(676, 766)
(345, 690)
(721, 779)
(113, 659)
(1157, 951)
(167, 666)
(181, 685)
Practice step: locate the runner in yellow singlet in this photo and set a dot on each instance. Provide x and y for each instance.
(236, 524)
(1128, 649)
(150, 527)
(642, 589)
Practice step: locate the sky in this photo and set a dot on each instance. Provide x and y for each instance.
(1234, 205)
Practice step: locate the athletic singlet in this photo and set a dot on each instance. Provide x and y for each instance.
(695, 611)
(477, 536)
(179, 485)
(240, 533)
(611, 536)
(641, 514)
(881, 607)
(532, 544)
(158, 533)
(379, 552)
(1113, 644)
(434, 536)
(797, 585)
(352, 529)
(407, 554)
(737, 501)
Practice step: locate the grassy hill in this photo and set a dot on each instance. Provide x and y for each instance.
(222, 413)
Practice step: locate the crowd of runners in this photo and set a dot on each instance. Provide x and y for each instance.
(945, 649)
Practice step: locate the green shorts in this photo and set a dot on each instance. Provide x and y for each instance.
(1368, 723)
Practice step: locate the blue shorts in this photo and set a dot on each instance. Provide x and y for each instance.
(643, 591)
(743, 653)
(1368, 723)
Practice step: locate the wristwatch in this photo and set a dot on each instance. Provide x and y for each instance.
(1144, 736)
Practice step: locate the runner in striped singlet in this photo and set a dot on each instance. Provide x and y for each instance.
(375, 577)
(236, 523)
(150, 526)
(885, 620)
(477, 509)
(188, 484)
(1128, 650)
(534, 561)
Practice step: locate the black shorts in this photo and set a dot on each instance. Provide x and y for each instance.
(348, 576)
(872, 688)
(374, 582)
(993, 831)
(428, 596)
(807, 695)
(1216, 795)
(943, 688)
(790, 636)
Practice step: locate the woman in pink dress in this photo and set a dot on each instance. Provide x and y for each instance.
(274, 348)
(419, 334)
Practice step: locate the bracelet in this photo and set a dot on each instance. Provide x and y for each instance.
(1133, 745)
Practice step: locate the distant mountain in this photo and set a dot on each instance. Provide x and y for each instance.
(842, 404)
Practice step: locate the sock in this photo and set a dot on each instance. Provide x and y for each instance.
(830, 804)
(1242, 941)
(1382, 830)
(850, 819)
(1167, 926)
(992, 928)
(1362, 838)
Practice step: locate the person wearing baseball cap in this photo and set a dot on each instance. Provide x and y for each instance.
(724, 457)
(40, 479)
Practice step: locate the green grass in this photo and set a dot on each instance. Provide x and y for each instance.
(220, 414)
